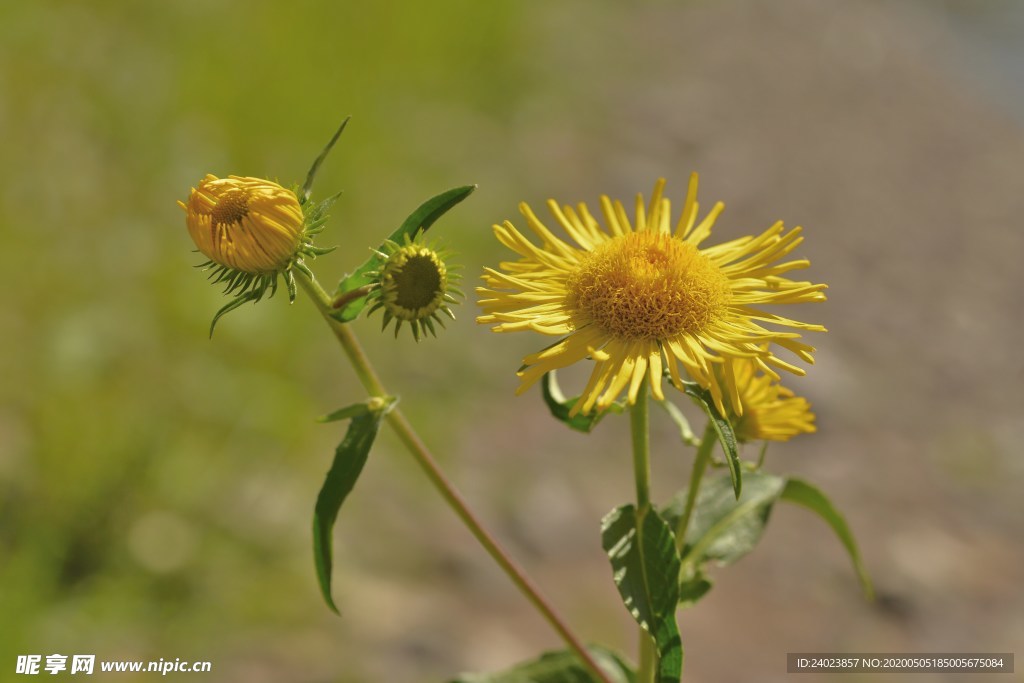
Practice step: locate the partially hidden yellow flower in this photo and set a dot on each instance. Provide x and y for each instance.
(771, 412)
(414, 285)
(250, 225)
(639, 297)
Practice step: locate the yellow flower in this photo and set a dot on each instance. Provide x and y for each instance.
(638, 297)
(771, 411)
(250, 225)
(413, 286)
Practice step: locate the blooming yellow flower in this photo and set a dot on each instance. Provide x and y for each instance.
(413, 286)
(771, 412)
(250, 225)
(639, 297)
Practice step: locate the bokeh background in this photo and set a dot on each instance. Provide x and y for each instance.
(156, 487)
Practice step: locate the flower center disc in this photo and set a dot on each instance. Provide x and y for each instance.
(231, 207)
(417, 282)
(646, 285)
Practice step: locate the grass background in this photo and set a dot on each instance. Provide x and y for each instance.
(156, 488)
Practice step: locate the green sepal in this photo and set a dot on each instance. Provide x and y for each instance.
(801, 493)
(563, 666)
(243, 298)
(645, 568)
(418, 221)
(560, 406)
(349, 458)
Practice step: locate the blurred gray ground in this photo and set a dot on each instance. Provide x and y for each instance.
(891, 131)
(869, 124)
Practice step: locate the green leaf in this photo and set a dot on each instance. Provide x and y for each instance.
(563, 666)
(307, 187)
(560, 406)
(802, 493)
(645, 568)
(419, 220)
(349, 458)
(692, 588)
(722, 528)
(723, 429)
(354, 410)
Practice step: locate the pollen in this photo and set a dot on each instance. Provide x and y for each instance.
(647, 285)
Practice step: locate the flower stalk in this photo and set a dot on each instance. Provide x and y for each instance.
(639, 421)
(700, 466)
(411, 440)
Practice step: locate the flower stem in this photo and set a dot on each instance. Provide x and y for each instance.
(640, 432)
(638, 421)
(700, 466)
(407, 435)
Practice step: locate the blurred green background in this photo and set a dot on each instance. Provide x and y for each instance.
(156, 487)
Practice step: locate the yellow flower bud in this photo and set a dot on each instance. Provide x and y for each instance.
(250, 225)
(253, 231)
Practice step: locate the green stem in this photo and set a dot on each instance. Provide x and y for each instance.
(638, 422)
(700, 466)
(364, 370)
(640, 432)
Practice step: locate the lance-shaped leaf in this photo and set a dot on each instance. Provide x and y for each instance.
(802, 493)
(560, 406)
(645, 568)
(723, 429)
(563, 666)
(418, 221)
(349, 458)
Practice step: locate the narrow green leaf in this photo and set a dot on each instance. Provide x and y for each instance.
(563, 666)
(723, 429)
(307, 187)
(419, 220)
(349, 458)
(645, 568)
(722, 528)
(353, 410)
(560, 406)
(800, 492)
